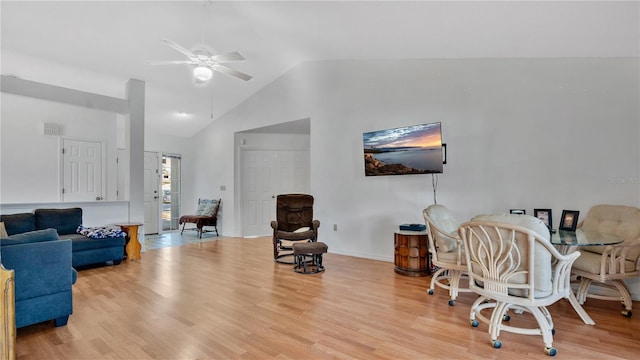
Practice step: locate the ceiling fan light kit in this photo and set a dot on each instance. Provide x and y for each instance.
(205, 62)
(203, 72)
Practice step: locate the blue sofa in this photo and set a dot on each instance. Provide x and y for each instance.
(43, 276)
(85, 251)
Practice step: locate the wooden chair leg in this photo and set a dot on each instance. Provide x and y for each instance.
(181, 231)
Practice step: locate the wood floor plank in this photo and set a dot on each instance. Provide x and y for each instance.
(227, 299)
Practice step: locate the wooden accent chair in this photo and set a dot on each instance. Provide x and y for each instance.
(512, 265)
(206, 215)
(447, 253)
(608, 266)
(294, 222)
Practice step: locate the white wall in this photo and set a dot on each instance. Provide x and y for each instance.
(47, 72)
(548, 133)
(36, 69)
(31, 160)
(78, 123)
(165, 143)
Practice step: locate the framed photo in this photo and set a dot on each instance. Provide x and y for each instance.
(545, 216)
(517, 211)
(569, 220)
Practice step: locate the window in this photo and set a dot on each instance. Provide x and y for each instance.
(170, 191)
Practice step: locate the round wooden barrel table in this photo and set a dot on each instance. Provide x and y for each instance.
(412, 253)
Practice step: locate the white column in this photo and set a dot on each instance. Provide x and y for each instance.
(136, 98)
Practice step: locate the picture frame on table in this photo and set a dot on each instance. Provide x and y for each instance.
(518, 211)
(569, 220)
(545, 216)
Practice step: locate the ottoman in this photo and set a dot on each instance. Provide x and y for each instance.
(314, 250)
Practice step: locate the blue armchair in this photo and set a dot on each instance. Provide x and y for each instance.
(43, 276)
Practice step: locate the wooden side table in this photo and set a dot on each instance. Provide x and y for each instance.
(412, 253)
(133, 245)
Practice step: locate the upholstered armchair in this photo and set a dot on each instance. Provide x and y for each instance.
(446, 250)
(608, 266)
(512, 265)
(294, 222)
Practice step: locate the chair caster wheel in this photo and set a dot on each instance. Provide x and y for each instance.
(452, 302)
(430, 292)
(474, 323)
(506, 317)
(626, 313)
(551, 351)
(496, 344)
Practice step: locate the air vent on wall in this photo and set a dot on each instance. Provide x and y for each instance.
(52, 129)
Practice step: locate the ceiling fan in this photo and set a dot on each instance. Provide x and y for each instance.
(206, 62)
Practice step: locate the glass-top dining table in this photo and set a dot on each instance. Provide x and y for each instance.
(583, 238)
(570, 241)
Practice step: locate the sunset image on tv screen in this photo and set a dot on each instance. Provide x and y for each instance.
(413, 149)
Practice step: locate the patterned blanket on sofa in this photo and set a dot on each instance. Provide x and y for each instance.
(101, 232)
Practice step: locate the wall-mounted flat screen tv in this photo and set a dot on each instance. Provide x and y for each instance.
(405, 150)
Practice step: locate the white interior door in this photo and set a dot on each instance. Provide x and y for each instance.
(266, 174)
(151, 192)
(82, 171)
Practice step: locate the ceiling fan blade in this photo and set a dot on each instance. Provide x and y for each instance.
(169, 62)
(235, 73)
(177, 47)
(228, 57)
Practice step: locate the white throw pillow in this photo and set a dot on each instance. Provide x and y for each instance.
(206, 207)
(201, 207)
(209, 209)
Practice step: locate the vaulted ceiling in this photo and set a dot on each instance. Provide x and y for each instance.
(117, 38)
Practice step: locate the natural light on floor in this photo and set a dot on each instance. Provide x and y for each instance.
(168, 239)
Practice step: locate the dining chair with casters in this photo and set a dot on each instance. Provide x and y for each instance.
(447, 253)
(602, 270)
(512, 265)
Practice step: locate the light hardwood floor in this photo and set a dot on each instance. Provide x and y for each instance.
(227, 299)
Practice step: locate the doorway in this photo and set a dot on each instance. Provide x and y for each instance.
(265, 174)
(170, 191)
(82, 170)
(151, 189)
(271, 160)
